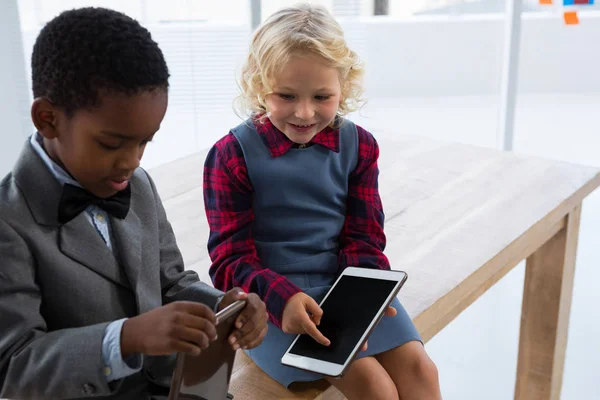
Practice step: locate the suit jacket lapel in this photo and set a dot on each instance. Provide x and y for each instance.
(40, 188)
(80, 241)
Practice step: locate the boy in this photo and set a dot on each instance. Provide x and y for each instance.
(92, 286)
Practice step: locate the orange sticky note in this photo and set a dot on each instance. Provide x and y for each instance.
(546, 2)
(571, 18)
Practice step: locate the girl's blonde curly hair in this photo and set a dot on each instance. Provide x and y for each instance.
(299, 30)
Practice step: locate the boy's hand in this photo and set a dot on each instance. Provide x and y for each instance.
(302, 314)
(181, 326)
(251, 325)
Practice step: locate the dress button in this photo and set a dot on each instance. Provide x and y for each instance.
(106, 371)
(88, 388)
(100, 218)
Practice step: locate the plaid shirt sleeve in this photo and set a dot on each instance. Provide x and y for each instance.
(228, 206)
(362, 240)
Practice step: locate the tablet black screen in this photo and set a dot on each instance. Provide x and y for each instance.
(347, 313)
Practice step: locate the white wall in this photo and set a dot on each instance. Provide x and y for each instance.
(456, 56)
(14, 100)
(443, 56)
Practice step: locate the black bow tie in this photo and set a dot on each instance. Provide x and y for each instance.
(74, 200)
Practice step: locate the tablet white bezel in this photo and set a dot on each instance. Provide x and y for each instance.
(334, 369)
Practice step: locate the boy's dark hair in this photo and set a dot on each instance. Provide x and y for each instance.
(86, 51)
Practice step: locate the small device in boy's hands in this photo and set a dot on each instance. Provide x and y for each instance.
(351, 309)
(208, 374)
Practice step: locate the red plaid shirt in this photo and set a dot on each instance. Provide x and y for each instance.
(228, 203)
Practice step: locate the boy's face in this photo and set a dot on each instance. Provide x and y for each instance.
(102, 147)
(305, 99)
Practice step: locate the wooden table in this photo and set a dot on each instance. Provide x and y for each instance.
(458, 218)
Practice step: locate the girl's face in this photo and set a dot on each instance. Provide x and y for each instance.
(305, 99)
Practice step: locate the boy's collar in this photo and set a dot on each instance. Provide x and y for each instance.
(63, 177)
(41, 190)
(278, 144)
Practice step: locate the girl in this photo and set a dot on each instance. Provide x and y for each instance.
(291, 199)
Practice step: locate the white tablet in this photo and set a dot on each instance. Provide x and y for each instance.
(351, 309)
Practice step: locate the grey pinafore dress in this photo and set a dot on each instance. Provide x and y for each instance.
(299, 204)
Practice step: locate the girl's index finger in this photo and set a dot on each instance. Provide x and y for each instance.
(311, 329)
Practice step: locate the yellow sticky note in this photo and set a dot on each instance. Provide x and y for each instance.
(571, 18)
(546, 2)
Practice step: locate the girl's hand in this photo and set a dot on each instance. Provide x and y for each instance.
(389, 312)
(301, 315)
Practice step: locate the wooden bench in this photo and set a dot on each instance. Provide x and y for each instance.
(458, 218)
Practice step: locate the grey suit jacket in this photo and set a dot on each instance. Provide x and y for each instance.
(60, 286)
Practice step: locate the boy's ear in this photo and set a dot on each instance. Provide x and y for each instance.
(45, 117)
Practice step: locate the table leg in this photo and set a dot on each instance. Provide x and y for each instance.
(545, 314)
